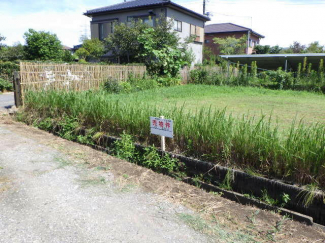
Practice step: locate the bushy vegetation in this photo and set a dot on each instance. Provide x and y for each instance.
(5, 85)
(139, 84)
(91, 49)
(305, 78)
(7, 69)
(231, 45)
(157, 47)
(41, 45)
(297, 154)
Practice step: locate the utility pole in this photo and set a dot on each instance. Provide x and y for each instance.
(203, 7)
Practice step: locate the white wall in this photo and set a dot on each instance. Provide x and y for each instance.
(187, 20)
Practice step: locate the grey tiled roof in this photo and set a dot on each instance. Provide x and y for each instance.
(227, 27)
(138, 4)
(126, 5)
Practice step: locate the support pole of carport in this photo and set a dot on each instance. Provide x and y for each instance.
(286, 64)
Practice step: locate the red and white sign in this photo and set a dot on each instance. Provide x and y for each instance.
(162, 127)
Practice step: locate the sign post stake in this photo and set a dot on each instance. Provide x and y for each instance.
(163, 128)
(162, 140)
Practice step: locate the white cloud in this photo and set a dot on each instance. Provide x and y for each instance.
(282, 22)
(67, 25)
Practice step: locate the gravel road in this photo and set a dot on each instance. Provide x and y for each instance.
(6, 100)
(44, 198)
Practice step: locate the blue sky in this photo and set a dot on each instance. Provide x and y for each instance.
(281, 21)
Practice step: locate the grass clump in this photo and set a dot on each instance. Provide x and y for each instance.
(296, 154)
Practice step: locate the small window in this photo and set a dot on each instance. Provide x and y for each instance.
(112, 27)
(250, 43)
(192, 30)
(207, 41)
(197, 32)
(178, 25)
(101, 31)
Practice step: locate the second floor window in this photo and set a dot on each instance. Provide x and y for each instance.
(178, 25)
(197, 32)
(104, 29)
(145, 19)
(101, 31)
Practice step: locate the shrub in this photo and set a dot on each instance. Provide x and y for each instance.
(135, 84)
(5, 85)
(7, 69)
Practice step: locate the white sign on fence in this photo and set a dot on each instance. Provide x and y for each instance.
(162, 127)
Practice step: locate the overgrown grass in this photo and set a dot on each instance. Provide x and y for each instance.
(296, 154)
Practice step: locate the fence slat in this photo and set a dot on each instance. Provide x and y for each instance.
(72, 77)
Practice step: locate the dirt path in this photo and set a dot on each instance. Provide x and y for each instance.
(6, 100)
(53, 190)
(46, 199)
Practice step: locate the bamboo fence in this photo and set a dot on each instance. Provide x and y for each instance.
(72, 77)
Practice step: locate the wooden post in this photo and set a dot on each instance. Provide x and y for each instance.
(162, 140)
(17, 89)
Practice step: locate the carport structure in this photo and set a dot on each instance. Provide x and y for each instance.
(288, 62)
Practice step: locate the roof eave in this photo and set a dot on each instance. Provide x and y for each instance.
(125, 9)
(202, 17)
(235, 31)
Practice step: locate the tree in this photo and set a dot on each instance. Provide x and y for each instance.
(124, 41)
(91, 49)
(2, 38)
(296, 47)
(275, 49)
(160, 49)
(95, 47)
(12, 53)
(315, 47)
(41, 45)
(67, 56)
(231, 45)
(82, 53)
(260, 49)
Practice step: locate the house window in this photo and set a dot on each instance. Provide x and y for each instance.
(207, 41)
(197, 32)
(145, 19)
(101, 31)
(178, 25)
(251, 43)
(112, 26)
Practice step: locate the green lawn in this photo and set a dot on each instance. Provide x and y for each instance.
(284, 105)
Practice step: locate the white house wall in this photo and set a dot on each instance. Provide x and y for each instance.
(187, 20)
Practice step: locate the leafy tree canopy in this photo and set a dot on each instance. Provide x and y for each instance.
(2, 38)
(41, 45)
(91, 49)
(95, 48)
(231, 45)
(260, 49)
(158, 47)
(296, 47)
(315, 47)
(12, 53)
(124, 41)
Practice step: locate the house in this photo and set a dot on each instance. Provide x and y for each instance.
(186, 21)
(229, 30)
